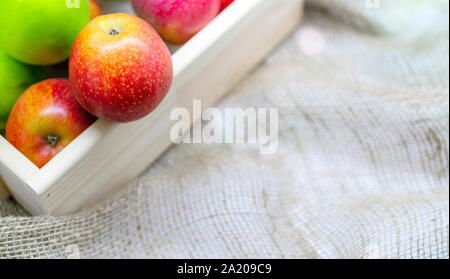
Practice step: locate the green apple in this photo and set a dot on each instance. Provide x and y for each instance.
(15, 78)
(41, 32)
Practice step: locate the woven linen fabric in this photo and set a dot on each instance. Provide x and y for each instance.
(362, 169)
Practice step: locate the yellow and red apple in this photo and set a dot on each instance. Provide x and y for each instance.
(177, 21)
(45, 119)
(120, 69)
(95, 9)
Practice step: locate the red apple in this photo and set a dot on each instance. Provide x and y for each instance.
(120, 69)
(177, 20)
(225, 4)
(95, 9)
(45, 119)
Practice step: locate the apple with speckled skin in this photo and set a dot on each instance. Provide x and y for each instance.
(45, 119)
(95, 9)
(225, 4)
(120, 69)
(177, 21)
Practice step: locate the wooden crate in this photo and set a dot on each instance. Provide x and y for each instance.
(108, 155)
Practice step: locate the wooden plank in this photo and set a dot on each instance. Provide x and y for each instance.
(13, 160)
(4, 192)
(15, 170)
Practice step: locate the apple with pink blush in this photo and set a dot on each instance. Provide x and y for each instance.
(177, 21)
(225, 4)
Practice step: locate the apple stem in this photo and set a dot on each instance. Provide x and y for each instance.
(52, 139)
(113, 32)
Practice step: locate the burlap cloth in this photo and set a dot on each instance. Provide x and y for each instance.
(362, 168)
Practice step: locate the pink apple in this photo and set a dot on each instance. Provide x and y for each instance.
(177, 21)
(225, 4)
